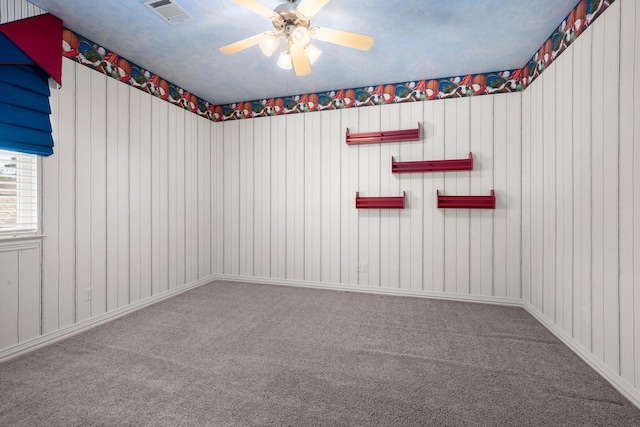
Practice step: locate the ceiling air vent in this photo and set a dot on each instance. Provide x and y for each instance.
(169, 11)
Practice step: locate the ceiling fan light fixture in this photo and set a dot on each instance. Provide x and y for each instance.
(300, 36)
(284, 60)
(269, 43)
(312, 53)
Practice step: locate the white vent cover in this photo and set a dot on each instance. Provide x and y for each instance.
(169, 11)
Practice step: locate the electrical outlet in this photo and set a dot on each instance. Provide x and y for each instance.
(364, 267)
(87, 294)
(357, 267)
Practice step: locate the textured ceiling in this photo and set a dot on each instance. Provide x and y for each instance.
(414, 39)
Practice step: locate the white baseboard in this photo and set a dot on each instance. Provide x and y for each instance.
(374, 290)
(626, 389)
(60, 334)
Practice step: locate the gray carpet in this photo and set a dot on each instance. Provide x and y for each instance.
(230, 354)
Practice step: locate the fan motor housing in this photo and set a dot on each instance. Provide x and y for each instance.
(287, 12)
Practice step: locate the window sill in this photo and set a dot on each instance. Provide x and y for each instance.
(7, 240)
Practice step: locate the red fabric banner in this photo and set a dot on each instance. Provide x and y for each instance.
(40, 38)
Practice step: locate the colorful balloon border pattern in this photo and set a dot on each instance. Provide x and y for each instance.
(92, 55)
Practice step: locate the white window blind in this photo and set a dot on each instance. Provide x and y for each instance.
(18, 193)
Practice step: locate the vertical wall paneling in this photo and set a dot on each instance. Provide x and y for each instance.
(262, 253)
(610, 118)
(206, 222)
(9, 289)
(123, 196)
(428, 198)
(583, 125)
(172, 190)
(135, 220)
(350, 216)
(217, 178)
(295, 196)
(83, 193)
(463, 216)
(475, 187)
(29, 294)
(450, 187)
(146, 165)
(557, 164)
(577, 243)
(180, 194)
(231, 199)
(569, 160)
(19, 292)
(193, 220)
(190, 134)
(279, 196)
(389, 254)
(98, 188)
(12, 10)
(370, 169)
(313, 191)
(597, 190)
(627, 110)
(156, 188)
(114, 215)
(66, 157)
(583, 106)
(438, 230)
(162, 216)
(636, 196)
(50, 245)
(246, 193)
(513, 147)
(502, 204)
(526, 198)
(112, 160)
(550, 203)
(330, 200)
(414, 184)
(484, 161)
(536, 203)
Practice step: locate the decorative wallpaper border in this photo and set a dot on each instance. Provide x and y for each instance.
(97, 57)
(94, 56)
(578, 20)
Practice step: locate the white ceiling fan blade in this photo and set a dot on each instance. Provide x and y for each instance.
(344, 38)
(308, 8)
(256, 7)
(242, 44)
(300, 61)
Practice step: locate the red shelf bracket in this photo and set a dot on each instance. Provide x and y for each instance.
(432, 165)
(384, 136)
(393, 202)
(466, 202)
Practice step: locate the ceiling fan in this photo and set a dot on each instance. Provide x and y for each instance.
(292, 23)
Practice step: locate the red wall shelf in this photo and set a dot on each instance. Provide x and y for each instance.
(384, 136)
(392, 202)
(432, 165)
(467, 202)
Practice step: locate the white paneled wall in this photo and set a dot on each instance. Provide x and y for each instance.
(20, 261)
(289, 199)
(581, 192)
(13, 10)
(19, 291)
(128, 199)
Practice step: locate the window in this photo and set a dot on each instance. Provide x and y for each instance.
(18, 193)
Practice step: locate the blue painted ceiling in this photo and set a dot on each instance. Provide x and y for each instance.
(414, 40)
